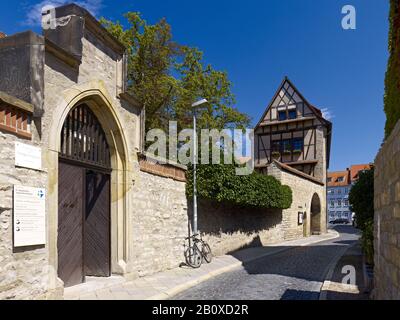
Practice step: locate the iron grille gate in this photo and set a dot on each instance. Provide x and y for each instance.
(83, 139)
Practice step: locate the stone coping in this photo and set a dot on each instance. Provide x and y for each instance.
(297, 172)
(15, 102)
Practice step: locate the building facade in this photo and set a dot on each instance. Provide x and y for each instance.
(294, 134)
(338, 196)
(339, 186)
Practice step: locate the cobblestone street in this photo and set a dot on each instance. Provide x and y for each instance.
(293, 274)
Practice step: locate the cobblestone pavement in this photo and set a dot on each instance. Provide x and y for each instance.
(295, 274)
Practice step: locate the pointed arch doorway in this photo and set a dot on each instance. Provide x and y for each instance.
(84, 207)
(315, 226)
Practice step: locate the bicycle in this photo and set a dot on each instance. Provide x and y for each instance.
(193, 255)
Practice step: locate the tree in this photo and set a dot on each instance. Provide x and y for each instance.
(167, 77)
(361, 198)
(392, 80)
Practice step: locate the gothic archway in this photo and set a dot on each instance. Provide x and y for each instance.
(100, 103)
(315, 215)
(84, 207)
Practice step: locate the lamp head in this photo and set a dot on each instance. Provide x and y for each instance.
(199, 103)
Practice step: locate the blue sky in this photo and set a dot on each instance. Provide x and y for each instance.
(258, 42)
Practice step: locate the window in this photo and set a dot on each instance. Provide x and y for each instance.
(346, 191)
(339, 203)
(331, 191)
(282, 115)
(332, 204)
(276, 146)
(339, 191)
(346, 203)
(292, 114)
(340, 179)
(329, 179)
(297, 145)
(287, 114)
(286, 146)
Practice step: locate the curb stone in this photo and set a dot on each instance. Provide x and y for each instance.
(329, 274)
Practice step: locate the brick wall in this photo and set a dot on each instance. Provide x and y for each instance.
(14, 120)
(387, 219)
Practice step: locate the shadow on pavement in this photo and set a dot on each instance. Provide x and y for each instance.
(310, 263)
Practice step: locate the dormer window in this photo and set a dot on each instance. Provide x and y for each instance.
(340, 179)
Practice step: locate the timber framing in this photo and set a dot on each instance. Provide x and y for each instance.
(292, 131)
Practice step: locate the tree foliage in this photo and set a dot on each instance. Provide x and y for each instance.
(392, 80)
(361, 198)
(220, 183)
(167, 77)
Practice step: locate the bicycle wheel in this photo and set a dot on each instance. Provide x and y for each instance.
(193, 257)
(207, 254)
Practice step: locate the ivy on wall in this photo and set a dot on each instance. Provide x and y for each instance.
(220, 183)
(392, 80)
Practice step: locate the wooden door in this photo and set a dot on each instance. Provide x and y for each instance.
(96, 246)
(70, 224)
(84, 199)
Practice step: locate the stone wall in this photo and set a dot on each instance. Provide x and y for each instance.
(160, 223)
(162, 218)
(303, 190)
(387, 219)
(23, 272)
(228, 228)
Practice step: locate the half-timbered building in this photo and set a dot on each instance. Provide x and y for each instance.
(293, 132)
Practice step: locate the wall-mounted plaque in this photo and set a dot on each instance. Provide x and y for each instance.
(300, 218)
(29, 216)
(28, 156)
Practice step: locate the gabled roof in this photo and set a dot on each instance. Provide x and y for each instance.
(317, 112)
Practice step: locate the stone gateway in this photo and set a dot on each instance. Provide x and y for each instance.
(109, 210)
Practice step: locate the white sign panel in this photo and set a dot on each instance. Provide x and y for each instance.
(28, 156)
(29, 216)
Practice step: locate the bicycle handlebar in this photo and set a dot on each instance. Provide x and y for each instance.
(193, 236)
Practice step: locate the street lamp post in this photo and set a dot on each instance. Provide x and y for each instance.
(195, 106)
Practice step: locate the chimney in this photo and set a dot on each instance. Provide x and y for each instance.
(2, 35)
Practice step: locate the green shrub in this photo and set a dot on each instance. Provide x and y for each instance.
(361, 198)
(220, 183)
(367, 241)
(392, 81)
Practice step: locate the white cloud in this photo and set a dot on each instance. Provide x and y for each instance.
(34, 11)
(327, 114)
